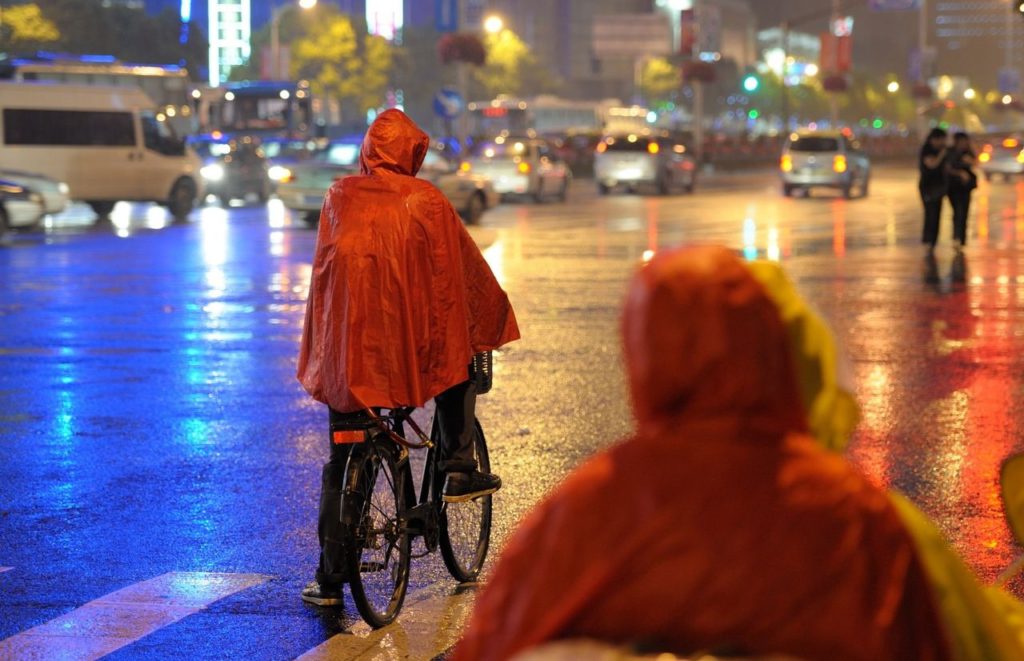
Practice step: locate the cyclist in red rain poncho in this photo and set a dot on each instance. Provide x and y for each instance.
(721, 525)
(399, 302)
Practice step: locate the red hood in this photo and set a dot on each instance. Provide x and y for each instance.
(704, 341)
(394, 143)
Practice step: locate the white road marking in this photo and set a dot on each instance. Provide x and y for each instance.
(430, 622)
(123, 617)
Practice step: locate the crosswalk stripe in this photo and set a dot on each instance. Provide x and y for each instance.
(122, 617)
(430, 623)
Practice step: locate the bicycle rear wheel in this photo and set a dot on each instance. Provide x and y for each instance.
(466, 527)
(378, 557)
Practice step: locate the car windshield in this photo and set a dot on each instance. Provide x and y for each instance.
(814, 143)
(291, 148)
(506, 149)
(339, 154)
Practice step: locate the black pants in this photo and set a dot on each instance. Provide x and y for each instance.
(932, 212)
(961, 202)
(456, 412)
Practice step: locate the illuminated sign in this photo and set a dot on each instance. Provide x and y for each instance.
(385, 18)
(230, 31)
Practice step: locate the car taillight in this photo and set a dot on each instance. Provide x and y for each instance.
(689, 165)
(985, 157)
(524, 167)
(786, 163)
(465, 166)
(602, 147)
(653, 148)
(839, 163)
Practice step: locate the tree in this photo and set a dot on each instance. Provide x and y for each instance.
(27, 28)
(660, 81)
(417, 73)
(127, 33)
(342, 61)
(512, 68)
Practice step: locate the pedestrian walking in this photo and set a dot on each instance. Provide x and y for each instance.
(960, 162)
(932, 184)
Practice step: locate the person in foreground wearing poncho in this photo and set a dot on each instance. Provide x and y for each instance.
(721, 525)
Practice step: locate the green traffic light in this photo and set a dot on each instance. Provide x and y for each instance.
(753, 114)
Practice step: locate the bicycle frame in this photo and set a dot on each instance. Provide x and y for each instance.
(419, 515)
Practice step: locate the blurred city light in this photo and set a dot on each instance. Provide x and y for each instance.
(493, 24)
(751, 83)
(307, 4)
(893, 87)
(970, 94)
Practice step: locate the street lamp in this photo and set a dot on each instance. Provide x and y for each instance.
(275, 35)
(493, 24)
(893, 87)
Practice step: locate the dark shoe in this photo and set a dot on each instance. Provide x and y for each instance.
(461, 487)
(323, 595)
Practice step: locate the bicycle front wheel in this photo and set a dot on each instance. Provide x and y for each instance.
(466, 526)
(378, 557)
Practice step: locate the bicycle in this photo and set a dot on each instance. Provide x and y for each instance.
(381, 513)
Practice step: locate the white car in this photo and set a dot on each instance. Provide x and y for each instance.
(520, 166)
(53, 192)
(302, 186)
(824, 159)
(19, 206)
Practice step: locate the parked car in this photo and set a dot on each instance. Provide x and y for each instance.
(53, 192)
(235, 169)
(521, 166)
(1003, 157)
(471, 194)
(824, 159)
(20, 207)
(107, 143)
(652, 158)
(302, 185)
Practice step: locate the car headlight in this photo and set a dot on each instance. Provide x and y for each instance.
(279, 173)
(212, 172)
(63, 188)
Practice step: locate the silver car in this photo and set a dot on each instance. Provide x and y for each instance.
(302, 186)
(520, 166)
(824, 159)
(20, 207)
(1003, 157)
(54, 193)
(654, 159)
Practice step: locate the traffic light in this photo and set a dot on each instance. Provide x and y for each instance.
(751, 83)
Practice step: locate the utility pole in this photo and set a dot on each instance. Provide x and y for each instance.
(698, 89)
(833, 98)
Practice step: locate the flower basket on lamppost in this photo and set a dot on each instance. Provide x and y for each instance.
(699, 72)
(922, 92)
(461, 47)
(835, 84)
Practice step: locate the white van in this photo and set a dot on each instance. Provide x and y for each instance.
(106, 143)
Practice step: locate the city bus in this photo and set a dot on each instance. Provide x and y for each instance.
(167, 85)
(549, 114)
(266, 109)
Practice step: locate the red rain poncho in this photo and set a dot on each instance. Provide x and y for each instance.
(721, 524)
(400, 298)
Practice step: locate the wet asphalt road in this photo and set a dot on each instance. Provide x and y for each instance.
(151, 426)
